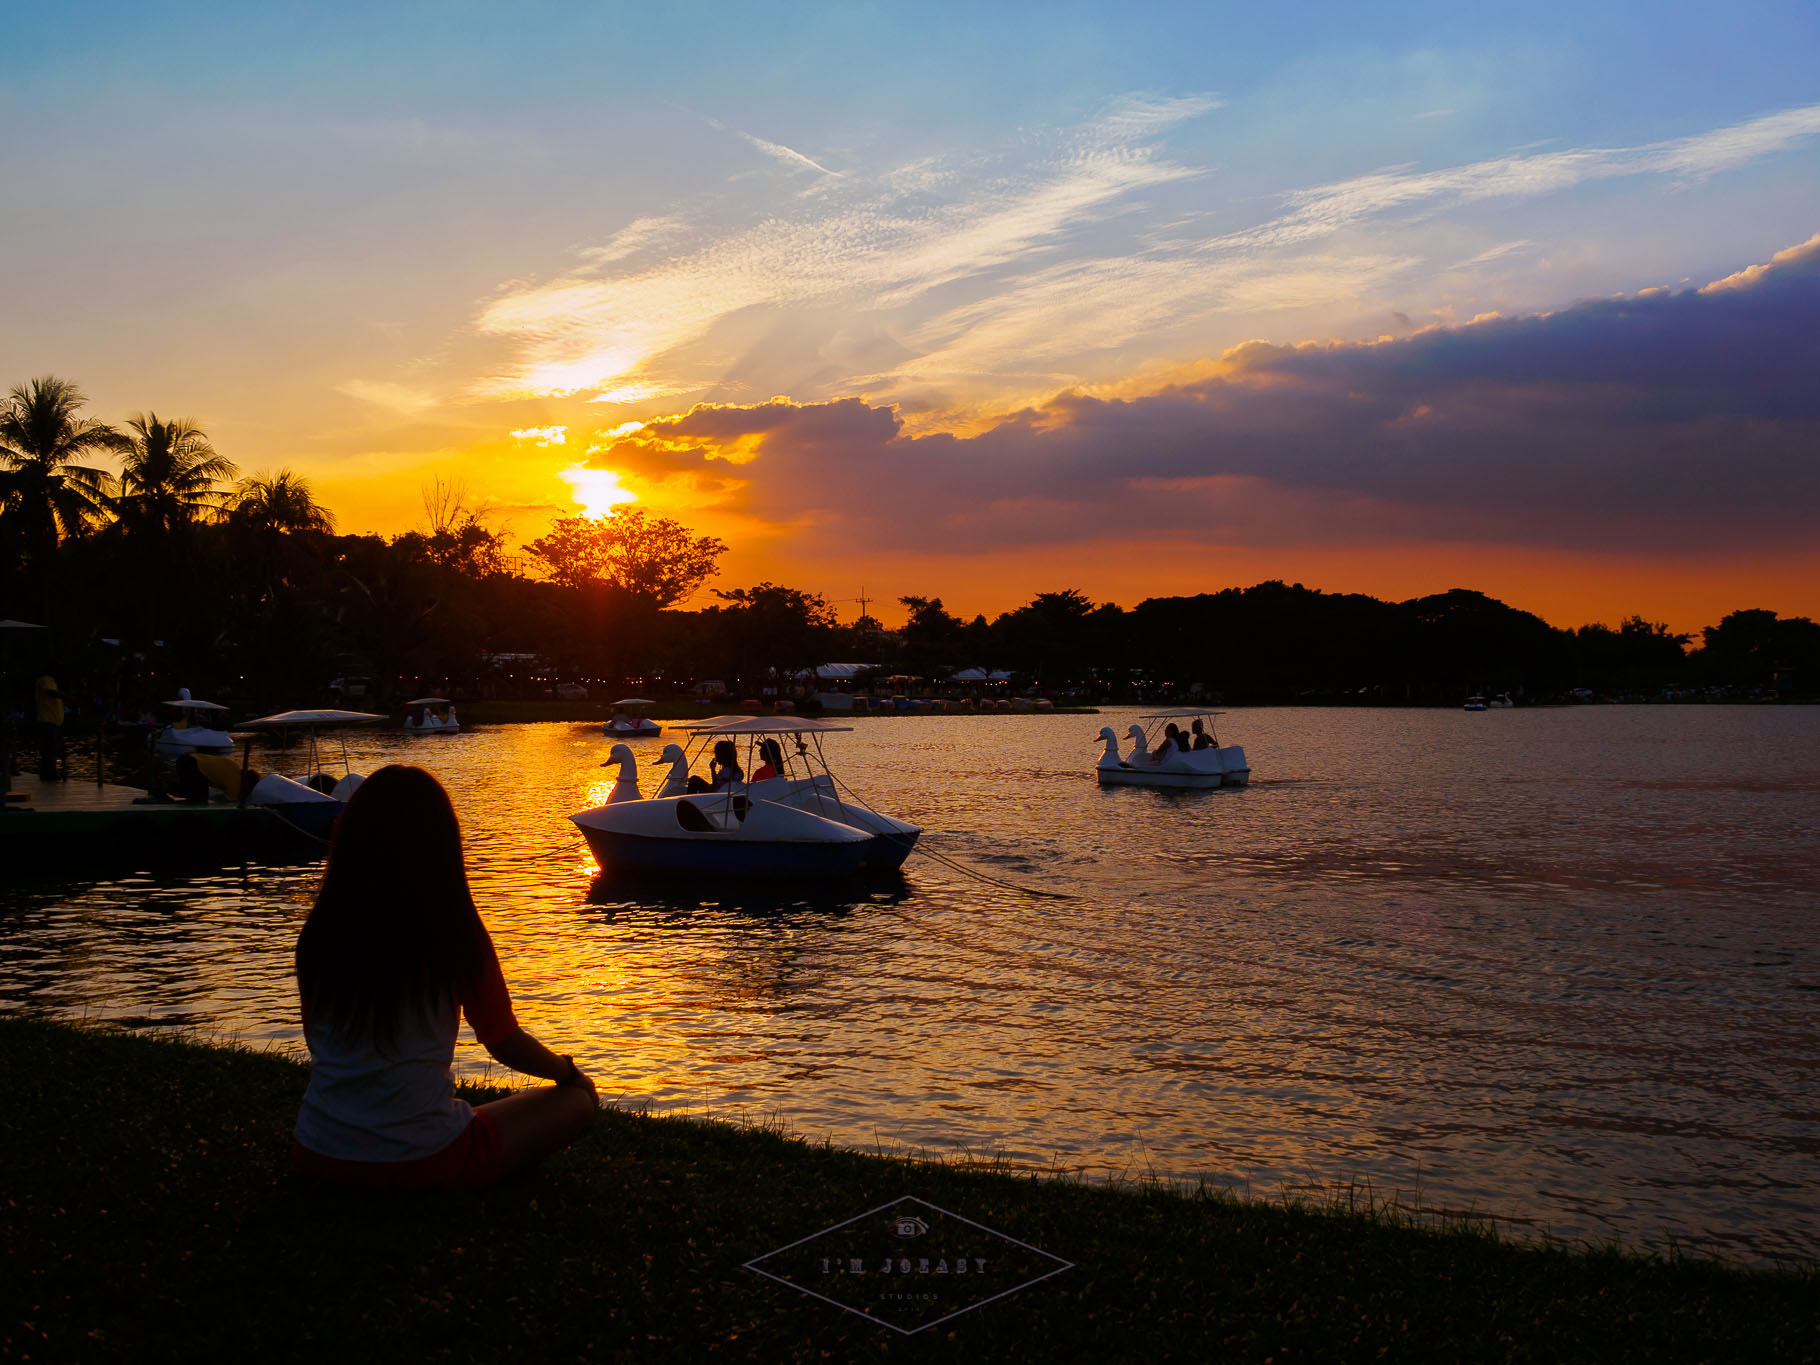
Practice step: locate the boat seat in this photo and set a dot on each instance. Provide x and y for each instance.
(692, 817)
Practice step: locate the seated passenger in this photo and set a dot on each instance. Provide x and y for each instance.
(1174, 742)
(723, 773)
(1202, 740)
(773, 755)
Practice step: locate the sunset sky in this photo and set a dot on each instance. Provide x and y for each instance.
(973, 301)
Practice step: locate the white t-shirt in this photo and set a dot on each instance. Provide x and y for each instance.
(397, 1103)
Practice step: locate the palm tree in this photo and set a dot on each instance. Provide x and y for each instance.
(271, 512)
(280, 502)
(168, 475)
(44, 487)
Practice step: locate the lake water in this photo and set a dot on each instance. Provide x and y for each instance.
(1555, 966)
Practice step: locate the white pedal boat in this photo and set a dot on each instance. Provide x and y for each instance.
(314, 803)
(628, 723)
(795, 823)
(192, 733)
(1215, 766)
(430, 716)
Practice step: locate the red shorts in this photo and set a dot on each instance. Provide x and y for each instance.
(471, 1160)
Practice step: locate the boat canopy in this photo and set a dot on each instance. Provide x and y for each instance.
(634, 701)
(285, 720)
(187, 705)
(1181, 712)
(428, 701)
(760, 725)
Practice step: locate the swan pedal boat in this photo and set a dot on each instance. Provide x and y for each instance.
(795, 824)
(1220, 766)
(306, 805)
(437, 717)
(193, 734)
(627, 723)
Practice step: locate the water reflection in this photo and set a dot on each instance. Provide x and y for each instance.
(1553, 966)
(634, 891)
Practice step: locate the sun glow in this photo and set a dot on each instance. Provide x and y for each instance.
(597, 490)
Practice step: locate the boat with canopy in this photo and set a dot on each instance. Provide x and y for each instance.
(1155, 762)
(430, 716)
(313, 803)
(629, 720)
(785, 815)
(193, 731)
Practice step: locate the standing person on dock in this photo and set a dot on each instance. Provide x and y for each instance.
(50, 727)
(392, 956)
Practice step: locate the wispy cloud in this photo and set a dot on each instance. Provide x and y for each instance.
(396, 398)
(789, 156)
(878, 244)
(1018, 267)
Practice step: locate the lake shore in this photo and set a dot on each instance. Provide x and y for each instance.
(151, 1217)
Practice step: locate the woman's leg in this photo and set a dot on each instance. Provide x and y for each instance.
(534, 1123)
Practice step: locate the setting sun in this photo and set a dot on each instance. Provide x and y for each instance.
(597, 490)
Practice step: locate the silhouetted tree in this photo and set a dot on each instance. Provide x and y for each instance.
(47, 491)
(654, 560)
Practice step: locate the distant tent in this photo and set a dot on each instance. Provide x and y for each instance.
(836, 672)
(981, 675)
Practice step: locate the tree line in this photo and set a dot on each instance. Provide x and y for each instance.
(156, 563)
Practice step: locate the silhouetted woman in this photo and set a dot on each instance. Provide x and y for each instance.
(723, 772)
(772, 754)
(390, 957)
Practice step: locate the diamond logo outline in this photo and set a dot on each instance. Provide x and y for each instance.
(1061, 1264)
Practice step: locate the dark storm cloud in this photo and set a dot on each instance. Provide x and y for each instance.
(1669, 421)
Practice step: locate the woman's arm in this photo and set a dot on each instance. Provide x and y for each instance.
(520, 1051)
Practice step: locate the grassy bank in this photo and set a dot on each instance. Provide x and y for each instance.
(147, 1216)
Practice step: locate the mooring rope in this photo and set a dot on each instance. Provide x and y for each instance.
(920, 847)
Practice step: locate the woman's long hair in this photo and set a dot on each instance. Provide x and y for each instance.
(394, 926)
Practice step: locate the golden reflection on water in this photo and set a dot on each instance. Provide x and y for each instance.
(1556, 965)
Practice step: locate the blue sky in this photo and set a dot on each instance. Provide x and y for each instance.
(374, 241)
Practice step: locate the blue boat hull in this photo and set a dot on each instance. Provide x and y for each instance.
(886, 852)
(312, 817)
(745, 858)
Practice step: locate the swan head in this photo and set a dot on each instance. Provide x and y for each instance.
(1136, 732)
(672, 754)
(1108, 735)
(620, 754)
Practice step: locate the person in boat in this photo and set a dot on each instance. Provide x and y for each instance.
(773, 755)
(621, 720)
(393, 955)
(1202, 740)
(1174, 742)
(723, 772)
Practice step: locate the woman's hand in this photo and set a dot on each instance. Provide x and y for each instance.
(522, 1052)
(577, 1079)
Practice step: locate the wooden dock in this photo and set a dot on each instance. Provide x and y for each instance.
(72, 823)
